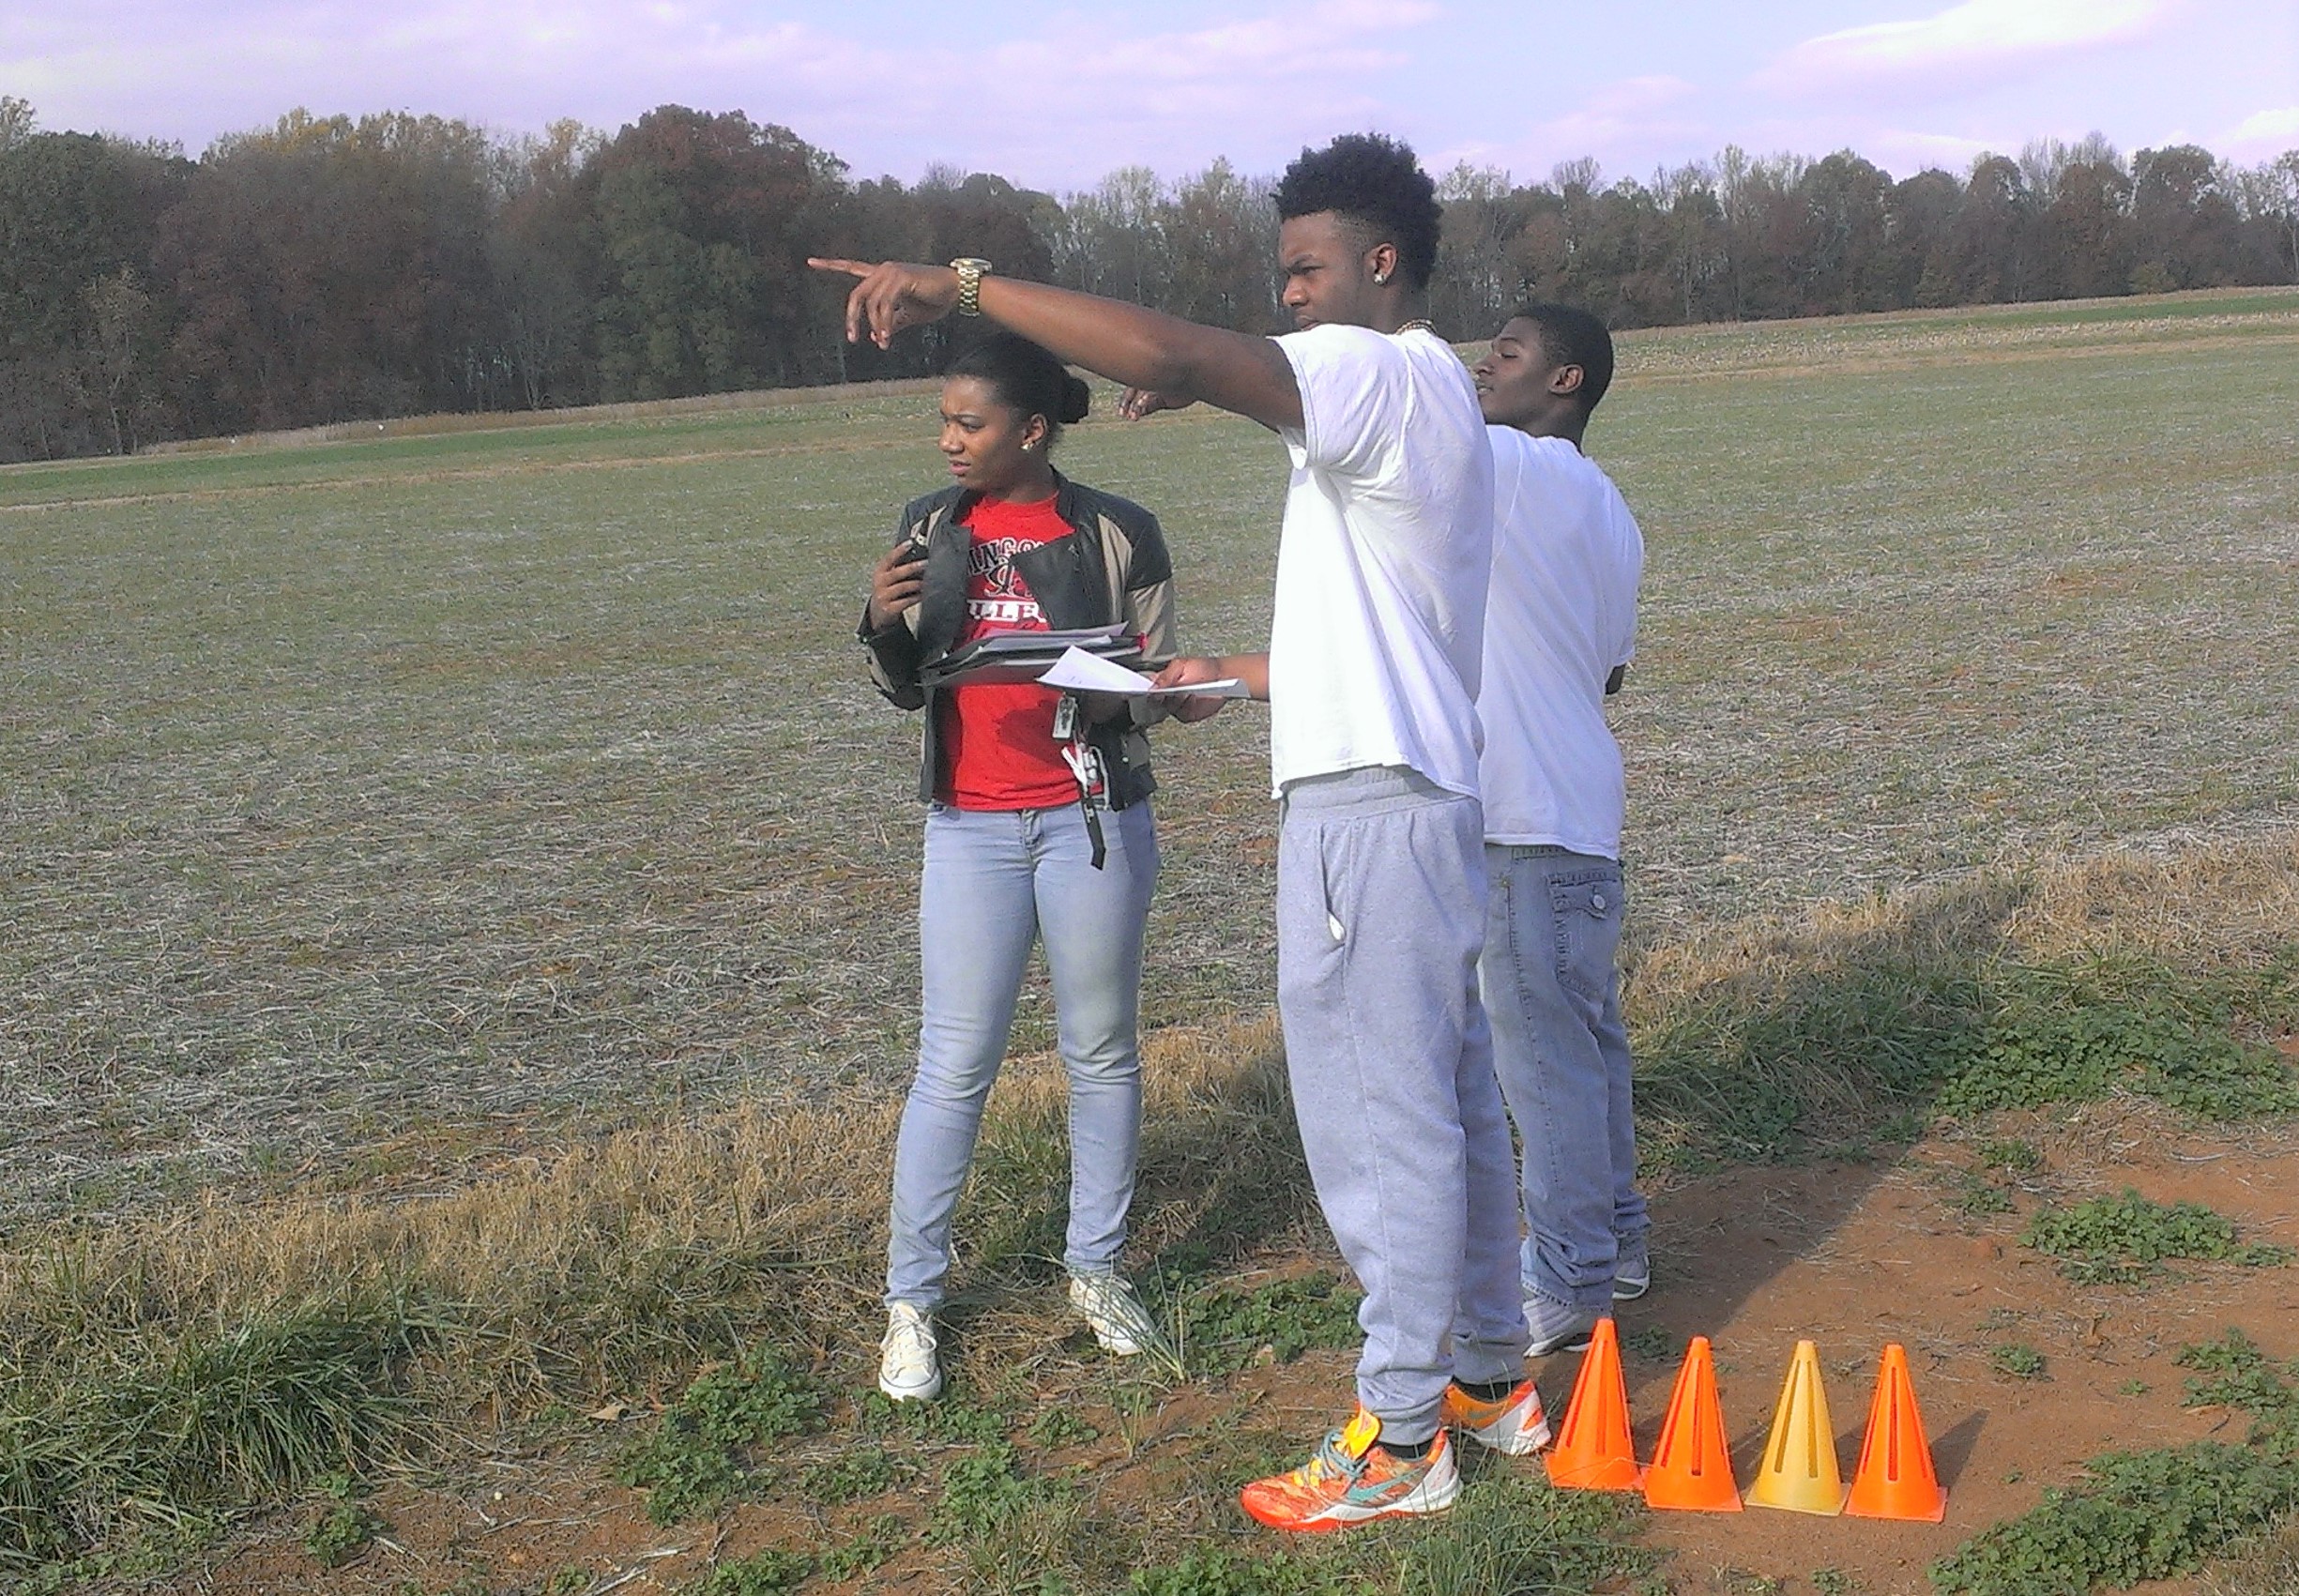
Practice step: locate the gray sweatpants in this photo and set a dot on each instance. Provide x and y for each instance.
(1381, 917)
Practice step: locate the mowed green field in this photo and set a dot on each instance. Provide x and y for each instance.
(365, 791)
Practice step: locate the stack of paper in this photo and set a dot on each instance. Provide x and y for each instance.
(1024, 656)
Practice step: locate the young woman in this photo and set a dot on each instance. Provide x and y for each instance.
(1030, 835)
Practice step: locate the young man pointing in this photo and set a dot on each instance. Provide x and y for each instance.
(1372, 674)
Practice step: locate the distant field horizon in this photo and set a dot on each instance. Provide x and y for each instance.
(2124, 307)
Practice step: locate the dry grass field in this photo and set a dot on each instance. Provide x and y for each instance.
(361, 791)
(458, 898)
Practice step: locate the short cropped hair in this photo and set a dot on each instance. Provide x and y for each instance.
(1570, 337)
(1377, 184)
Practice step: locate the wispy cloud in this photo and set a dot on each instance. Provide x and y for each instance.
(1054, 95)
(1904, 152)
(1983, 36)
(1248, 79)
(1090, 89)
(1651, 113)
(2261, 134)
(1348, 38)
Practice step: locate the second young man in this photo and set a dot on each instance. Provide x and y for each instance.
(1560, 626)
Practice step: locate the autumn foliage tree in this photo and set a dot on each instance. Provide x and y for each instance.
(327, 269)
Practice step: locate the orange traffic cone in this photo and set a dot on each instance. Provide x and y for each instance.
(1799, 1470)
(1896, 1479)
(1595, 1452)
(1691, 1471)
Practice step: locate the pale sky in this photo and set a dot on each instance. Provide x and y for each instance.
(1054, 96)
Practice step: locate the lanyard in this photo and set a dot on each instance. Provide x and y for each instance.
(1085, 762)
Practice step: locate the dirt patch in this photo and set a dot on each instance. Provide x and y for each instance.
(1849, 1256)
(1904, 1264)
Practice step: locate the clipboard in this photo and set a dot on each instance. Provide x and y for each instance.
(1008, 656)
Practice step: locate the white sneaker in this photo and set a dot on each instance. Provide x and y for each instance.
(909, 1370)
(1116, 1314)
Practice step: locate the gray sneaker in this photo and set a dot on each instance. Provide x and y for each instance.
(1632, 1273)
(1120, 1322)
(1557, 1327)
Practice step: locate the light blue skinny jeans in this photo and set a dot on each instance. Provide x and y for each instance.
(994, 882)
(1553, 993)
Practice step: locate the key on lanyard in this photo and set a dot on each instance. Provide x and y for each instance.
(1086, 764)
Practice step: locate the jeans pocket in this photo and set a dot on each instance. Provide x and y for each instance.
(1585, 906)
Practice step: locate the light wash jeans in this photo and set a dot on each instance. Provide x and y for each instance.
(1552, 932)
(1380, 909)
(994, 882)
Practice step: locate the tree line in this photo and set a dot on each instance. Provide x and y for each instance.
(332, 268)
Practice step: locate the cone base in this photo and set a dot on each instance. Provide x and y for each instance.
(1663, 1498)
(1907, 1513)
(1611, 1474)
(1818, 1504)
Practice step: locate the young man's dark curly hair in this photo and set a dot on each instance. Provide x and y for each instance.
(1376, 185)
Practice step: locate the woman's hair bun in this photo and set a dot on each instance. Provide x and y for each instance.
(1076, 399)
(1025, 376)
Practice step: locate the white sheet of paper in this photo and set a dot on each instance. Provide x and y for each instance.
(1229, 687)
(1077, 671)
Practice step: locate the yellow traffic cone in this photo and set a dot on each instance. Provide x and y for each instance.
(1799, 1467)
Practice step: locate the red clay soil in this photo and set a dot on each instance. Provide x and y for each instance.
(1849, 1256)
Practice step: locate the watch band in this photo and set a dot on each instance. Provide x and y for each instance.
(969, 269)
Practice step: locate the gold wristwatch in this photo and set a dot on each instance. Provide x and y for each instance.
(969, 269)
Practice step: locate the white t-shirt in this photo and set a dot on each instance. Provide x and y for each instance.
(1566, 556)
(1383, 561)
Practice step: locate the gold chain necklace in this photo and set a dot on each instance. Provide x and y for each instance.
(1419, 324)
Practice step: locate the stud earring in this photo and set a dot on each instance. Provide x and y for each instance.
(1379, 278)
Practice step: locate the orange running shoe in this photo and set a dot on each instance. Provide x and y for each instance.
(1352, 1478)
(1512, 1423)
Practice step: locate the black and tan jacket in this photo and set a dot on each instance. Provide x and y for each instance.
(1113, 566)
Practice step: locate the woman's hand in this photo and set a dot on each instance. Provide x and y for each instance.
(891, 296)
(1182, 673)
(895, 583)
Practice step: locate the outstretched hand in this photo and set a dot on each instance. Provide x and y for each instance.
(891, 296)
(1183, 673)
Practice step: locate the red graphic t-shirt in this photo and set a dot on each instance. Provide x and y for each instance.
(998, 739)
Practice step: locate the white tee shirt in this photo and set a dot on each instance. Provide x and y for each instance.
(1383, 561)
(1566, 557)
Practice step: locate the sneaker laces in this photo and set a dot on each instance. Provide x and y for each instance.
(908, 1336)
(1332, 1457)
